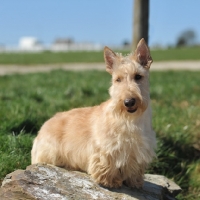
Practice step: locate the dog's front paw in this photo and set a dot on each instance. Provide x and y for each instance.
(107, 181)
(115, 183)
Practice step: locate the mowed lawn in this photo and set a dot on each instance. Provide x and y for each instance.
(26, 101)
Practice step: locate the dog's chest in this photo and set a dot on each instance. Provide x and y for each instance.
(130, 143)
(123, 141)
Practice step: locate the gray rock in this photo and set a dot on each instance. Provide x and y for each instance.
(47, 182)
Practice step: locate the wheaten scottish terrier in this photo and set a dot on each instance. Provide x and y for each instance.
(114, 141)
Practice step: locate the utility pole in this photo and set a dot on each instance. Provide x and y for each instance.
(140, 21)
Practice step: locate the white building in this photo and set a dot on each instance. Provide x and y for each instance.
(30, 44)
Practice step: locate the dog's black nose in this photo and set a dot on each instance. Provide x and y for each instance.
(129, 102)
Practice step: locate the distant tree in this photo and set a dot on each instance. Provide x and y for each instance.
(140, 21)
(186, 38)
(126, 43)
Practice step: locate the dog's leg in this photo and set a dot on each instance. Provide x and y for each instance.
(104, 172)
(136, 179)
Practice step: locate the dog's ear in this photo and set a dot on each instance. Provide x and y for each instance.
(142, 54)
(109, 57)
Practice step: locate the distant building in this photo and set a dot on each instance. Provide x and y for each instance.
(67, 44)
(62, 44)
(30, 44)
(63, 41)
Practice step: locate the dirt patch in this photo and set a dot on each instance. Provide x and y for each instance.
(172, 65)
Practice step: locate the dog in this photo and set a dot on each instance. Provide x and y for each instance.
(113, 142)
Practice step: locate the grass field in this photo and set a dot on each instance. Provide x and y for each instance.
(26, 101)
(47, 57)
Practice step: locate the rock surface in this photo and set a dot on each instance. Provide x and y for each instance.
(47, 182)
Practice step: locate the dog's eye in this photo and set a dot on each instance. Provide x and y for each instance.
(118, 80)
(138, 77)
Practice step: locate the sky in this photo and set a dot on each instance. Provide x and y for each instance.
(106, 22)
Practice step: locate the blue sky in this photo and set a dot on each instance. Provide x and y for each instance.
(108, 22)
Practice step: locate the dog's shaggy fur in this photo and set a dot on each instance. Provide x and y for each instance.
(114, 141)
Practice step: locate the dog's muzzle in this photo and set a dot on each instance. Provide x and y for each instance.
(130, 103)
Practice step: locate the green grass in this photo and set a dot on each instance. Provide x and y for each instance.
(184, 53)
(47, 57)
(26, 101)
